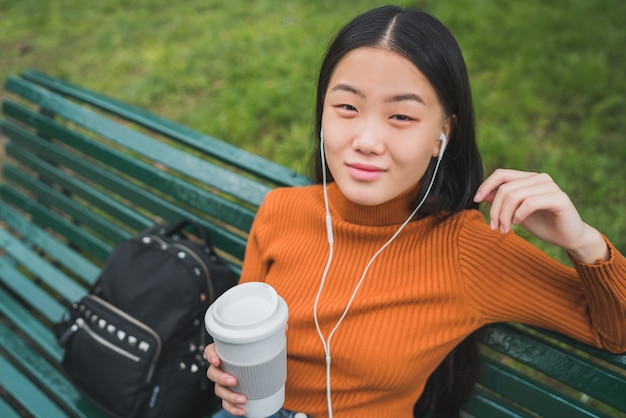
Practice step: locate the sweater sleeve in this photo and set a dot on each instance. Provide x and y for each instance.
(605, 287)
(255, 265)
(508, 279)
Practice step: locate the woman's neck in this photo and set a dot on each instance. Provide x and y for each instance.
(392, 212)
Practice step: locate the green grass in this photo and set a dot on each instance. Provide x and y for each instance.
(547, 76)
(550, 95)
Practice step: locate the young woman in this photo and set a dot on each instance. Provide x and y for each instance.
(386, 264)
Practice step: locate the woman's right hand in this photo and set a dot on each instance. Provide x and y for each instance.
(224, 383)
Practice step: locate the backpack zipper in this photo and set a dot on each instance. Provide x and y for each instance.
(139, 325)
(81, 324)
(205, 268)
(209, 283)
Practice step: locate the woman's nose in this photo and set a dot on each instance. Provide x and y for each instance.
(369, 141)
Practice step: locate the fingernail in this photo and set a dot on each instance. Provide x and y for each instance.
(240, 400)
(231, 381)
(477, 196)
(493, 224)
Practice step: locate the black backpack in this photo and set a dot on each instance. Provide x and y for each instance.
(134, 345)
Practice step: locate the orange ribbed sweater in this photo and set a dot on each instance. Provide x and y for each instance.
(426, 291)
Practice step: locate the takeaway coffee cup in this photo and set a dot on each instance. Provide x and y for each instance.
(247, 324)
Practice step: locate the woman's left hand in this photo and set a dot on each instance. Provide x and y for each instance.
(537, 203)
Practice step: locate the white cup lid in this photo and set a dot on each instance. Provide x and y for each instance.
(246, 313)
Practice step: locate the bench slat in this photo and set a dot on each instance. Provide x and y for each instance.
(44, 217)
(6, 411)
(48, 376)
(134, 141)
(229, 242)
(484, 404)
(52, 246)
(618, 360)
(240, 218)
(68, 181)
(515, 386)
(41, 269)
(578, 373)
(221, 150)
(29, 395)
(194, 196)
(30, 325)
(30, 291)
(53, 199)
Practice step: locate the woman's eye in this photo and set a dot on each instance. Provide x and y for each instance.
(402, 117)
(347, 107)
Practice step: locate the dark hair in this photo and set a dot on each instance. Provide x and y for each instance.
(430, 46)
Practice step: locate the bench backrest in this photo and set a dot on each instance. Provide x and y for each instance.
(87, 171)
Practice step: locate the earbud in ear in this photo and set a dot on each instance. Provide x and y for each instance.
(444, 141)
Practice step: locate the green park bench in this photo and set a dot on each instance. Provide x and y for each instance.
(83, 171)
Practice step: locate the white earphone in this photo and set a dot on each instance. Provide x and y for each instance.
(329, 231)
(444, 141)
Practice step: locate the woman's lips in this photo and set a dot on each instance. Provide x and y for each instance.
(364, 172)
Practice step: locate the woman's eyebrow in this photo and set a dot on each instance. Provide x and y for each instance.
(349, 89)
(403, 97)
(392, 99)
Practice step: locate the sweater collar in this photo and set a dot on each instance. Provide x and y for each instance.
(392, 212)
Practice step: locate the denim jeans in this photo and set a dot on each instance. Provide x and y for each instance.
(283, 413)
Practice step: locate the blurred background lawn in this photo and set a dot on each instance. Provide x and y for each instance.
(548, 77)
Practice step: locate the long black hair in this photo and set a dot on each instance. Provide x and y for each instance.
(430, 46)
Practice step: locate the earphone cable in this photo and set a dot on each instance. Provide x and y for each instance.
(326, 342)
(329, 234)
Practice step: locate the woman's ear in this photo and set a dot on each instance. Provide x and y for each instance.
(448, 126)
(444, 137)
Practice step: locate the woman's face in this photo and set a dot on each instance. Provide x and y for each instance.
(381, 124)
